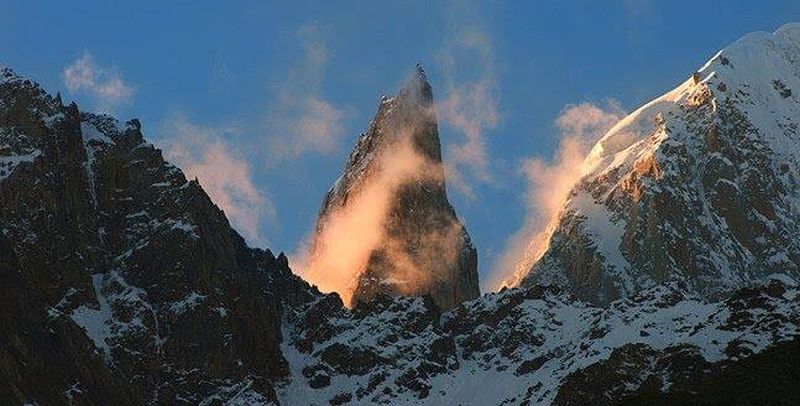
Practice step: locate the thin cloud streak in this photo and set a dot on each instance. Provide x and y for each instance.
(106, 86)
(548, 184)
(472, 98)
(223, 172)
(303, 121)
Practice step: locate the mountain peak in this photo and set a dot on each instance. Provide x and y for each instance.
(93, 196)
(420, 72)
(789, 31)
(698, 185)
(417, 92)
(395, 175)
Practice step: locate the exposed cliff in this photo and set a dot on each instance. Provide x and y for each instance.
(121, 282)
(422, 247)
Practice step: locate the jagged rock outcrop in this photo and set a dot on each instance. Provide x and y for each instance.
(424, 248)
(701, 185)
(541, 346)
(120, 281)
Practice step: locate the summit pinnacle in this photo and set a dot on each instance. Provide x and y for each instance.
(425, 250)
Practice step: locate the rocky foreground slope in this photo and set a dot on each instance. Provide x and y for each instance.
(122, 283)
(542, 346)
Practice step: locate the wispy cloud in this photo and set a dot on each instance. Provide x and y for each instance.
(638, 10)
(104, 84)
(338, 252)
(226, 176)
(549, 182)
(303, 121)
(471, 102)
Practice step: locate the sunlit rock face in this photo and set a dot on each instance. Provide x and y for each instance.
(700, 185)
(421, 247)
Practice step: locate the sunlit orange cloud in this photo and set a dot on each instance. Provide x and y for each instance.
(202, 153)
(549, 183)
(334, 256)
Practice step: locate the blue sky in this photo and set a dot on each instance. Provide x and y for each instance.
(239, 81)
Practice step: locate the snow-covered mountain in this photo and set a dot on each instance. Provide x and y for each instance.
(670, 277)
(701, 185)
(542, 346)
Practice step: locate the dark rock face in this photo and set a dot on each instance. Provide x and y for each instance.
(421, 226)
(680, 376)
(122, 283)
(42, 360)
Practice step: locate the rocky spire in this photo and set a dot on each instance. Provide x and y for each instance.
(417, 90)
(424, 249)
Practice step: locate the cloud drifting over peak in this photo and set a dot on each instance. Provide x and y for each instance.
(303, 121)
(106, 86)
(549, 183)
(472, 99)
(338, 251)
(222, 171)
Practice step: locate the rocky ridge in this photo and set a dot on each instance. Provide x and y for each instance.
(701, 185)
(121, 281)
(534, 346)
